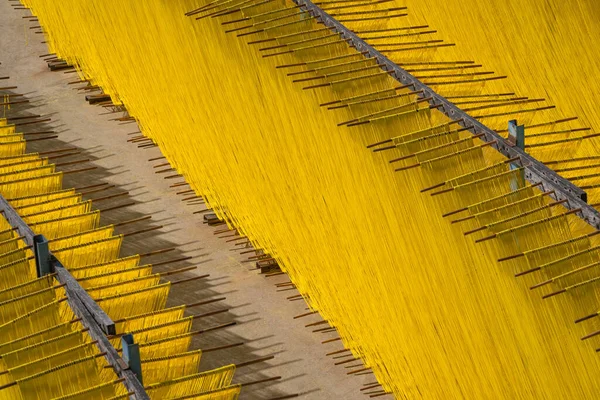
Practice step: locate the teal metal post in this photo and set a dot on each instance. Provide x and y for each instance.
(131, 355)
(516, 137)
(41, 251)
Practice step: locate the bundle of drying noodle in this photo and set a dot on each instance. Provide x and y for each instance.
(229, 393)
(176, 365)
(193, 384)
(428, 310)
(167, 346)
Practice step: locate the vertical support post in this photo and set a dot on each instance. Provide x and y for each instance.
(516, 134)
(516, 138)
(41, 251)
(131, 355)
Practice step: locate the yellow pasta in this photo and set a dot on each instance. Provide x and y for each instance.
(429, 310)
(169, 367)
(229, 393)
(196, 383)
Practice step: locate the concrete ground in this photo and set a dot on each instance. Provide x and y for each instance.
(264, 316)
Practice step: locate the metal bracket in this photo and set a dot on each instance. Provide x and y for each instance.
(131, 355)
(516, 137)
(516, 134)
(43, 260)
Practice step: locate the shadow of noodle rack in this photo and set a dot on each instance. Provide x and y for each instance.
(92, 316)
(535, 171)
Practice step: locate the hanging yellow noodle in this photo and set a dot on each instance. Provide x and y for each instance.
(31, 186)
(16, 272)
(103, 391)
(44, 348)
(139, 301)
(38, 336)
(13, 308)
(23, 165)
(69, 225)
(196, 383)
(460, 327)
(26, 173)
(130, 285)
(139, 321)
(228, 393)
(43, 385)
(11, 148)
(45, 363)
(157, 331)
(18, 158)
(10, 245)
(170, 345)
(90, 253)
(48, 205)
(92, 282)
(26, 288)
(38, 198)
(108, 267)
(170, 366)
(58, 212)
(92, 235)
